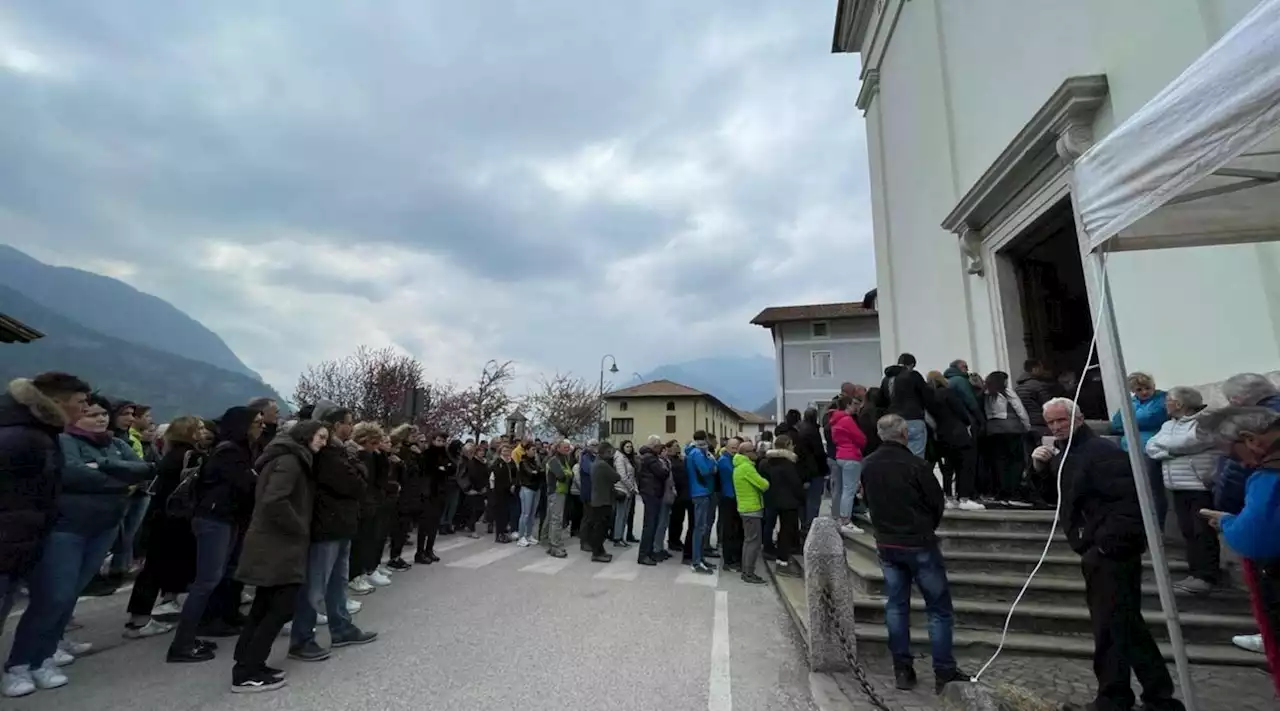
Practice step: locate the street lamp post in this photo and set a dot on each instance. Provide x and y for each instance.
(612, 369)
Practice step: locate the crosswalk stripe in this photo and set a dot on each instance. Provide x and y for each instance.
(616, 572)
(483, 558)
(550, 566)
(455, 544)
(689, 577)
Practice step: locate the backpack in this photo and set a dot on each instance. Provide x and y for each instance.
(182, 502)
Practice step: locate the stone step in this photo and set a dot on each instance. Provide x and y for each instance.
(1005, 563)
(792, 593)
(1023, 520)
(996, 542)
(1043, 589)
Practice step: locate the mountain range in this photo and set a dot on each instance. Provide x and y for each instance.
(130, 345)
(741, 381)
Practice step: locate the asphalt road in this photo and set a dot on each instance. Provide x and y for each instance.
(490, 627)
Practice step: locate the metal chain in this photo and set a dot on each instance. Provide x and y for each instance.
(849, 645)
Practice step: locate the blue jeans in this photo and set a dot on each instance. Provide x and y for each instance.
(813, 499)
(901, 566)
(122, 551)
(621, 507)
(850, 477)
(917, 436)
(327, 567)
(66, 566)
(834, 468)
(214, 543)
(701, 522)
(452, 498)
(664, 520)
(528, 511)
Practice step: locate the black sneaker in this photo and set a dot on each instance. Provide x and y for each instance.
(940, 680)
(309, 652)
(753, 579)
(621, 544)
(434, 558)
(399, 564)
(602, 558)
(208, 644)
(703, 568)
(422, 559)
(646, 560)
(904, 678)
(257, 683)
(353, 638)
(190, 655)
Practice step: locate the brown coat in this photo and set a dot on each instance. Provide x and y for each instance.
(279, 536)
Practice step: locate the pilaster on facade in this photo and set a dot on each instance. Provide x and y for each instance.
(870, 89)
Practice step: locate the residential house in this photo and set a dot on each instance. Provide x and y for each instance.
(974, 115)
(753, 425)
(14, 331)
(818, 347)
(669, 410)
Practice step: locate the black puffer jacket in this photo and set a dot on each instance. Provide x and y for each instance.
(951, 420)
(29, 464)
(903, 392)
(531, 476)
(1101, 500)
(438, 468)
(227, 480)
(810, 450)
(413, 481)
(652, 474)
(1034, 392)
(339, 489)
(904, 497)
(786, 485)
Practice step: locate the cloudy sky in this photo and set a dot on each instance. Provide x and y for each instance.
(539, 180)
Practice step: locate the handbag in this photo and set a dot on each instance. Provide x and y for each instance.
(182, 502)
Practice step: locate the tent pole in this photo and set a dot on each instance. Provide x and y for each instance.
(1146, 497)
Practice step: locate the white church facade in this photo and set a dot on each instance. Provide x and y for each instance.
(974, 111)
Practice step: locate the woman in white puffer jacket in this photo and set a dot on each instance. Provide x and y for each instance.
(1188, 461)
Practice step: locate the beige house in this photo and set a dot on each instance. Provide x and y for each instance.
(753, 425)
(669, 410)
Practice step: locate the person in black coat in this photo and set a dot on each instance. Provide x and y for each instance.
(811, 453)
(786, 493)
(903, 392)
(473, 481)
(439, 470)
(651, 484)
(411, 505)
(170, 552)
(503, 475)
(956, 448)
(224, 505)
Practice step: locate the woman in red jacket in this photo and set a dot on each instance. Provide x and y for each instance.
(849, 441)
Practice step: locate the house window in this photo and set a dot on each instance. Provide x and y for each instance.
(671, 424)
(820, 329)
(820, 364)
(671, 405)
(622, 406)
(622, 426)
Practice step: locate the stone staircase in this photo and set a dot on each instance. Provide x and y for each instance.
(989, 555)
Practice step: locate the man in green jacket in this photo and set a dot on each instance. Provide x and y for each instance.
(749, 487)
(559, 476)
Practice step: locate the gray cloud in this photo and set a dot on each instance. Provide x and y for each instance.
(428, 127)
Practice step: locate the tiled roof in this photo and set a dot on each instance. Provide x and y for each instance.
(812, 312)
(664, 388)
(14, 331)
(752, 418)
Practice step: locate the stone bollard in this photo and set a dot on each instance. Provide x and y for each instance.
(829, 591)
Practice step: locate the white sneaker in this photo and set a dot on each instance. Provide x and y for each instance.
(850, 528)
(17, 682)
(48, 676)
(523, 542)
(377, 580)
(360, 586)
(384, 571)
(532, 541)
(75, 649)
(353, 606)
(165, 609)
(322, 619)
(62, 658)
(151, 629)
(1249, 642)
(951, 503)
(970, 505)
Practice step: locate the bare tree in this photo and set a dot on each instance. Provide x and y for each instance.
(488, 399)
(570, 406)
(444, 411)
(373, 383)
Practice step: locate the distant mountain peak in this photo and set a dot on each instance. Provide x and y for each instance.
(740, 381)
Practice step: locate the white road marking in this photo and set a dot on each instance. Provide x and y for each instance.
(455, 544)
(719, 685)
(483, 558)
(688, 577)
(617, 572)
(550, 566)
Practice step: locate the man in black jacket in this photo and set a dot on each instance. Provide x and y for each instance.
(334, 520)
(603, 479)
(812, 453)
(651, 483)
(907, 504)
(1104, 525)
(903, 392)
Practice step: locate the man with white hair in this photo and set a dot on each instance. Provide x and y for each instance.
(1241, 390)
(1104, 525)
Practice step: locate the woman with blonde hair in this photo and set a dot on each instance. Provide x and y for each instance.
(365, 446)
(170, 554)
(1151, 410)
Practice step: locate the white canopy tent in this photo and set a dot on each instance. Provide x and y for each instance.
(1198, 165)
